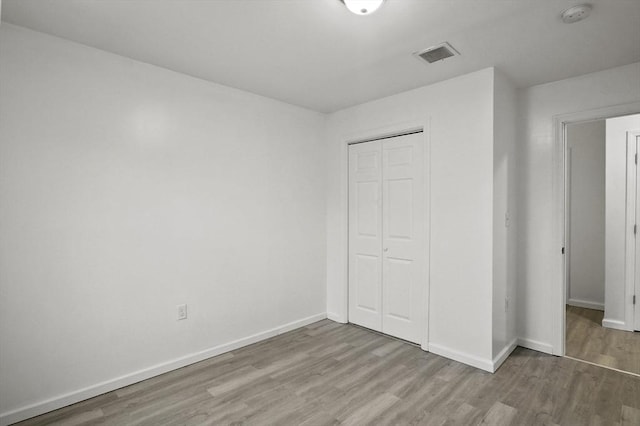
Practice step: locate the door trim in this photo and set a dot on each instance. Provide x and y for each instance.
(367, 135)
(632, 241)
(560, 223)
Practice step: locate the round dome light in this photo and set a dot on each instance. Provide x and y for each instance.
(363, 7)
(576, 13)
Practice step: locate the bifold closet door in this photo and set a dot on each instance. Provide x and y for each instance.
(387, 236)
(365, 234)
(403, 237)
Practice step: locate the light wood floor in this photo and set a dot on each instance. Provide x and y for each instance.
(588, 340)
(329, 373)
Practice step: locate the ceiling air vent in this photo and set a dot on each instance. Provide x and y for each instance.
(437, 53)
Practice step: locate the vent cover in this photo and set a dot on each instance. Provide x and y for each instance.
(437, 53)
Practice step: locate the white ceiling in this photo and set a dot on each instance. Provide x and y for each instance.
(316, 54)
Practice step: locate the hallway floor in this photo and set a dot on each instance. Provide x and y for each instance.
(589, 341)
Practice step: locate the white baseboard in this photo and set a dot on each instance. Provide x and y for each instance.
(60, 401)
(535, 345)
(298, 323)
(335, 317)
(586, 304)
(618, 325)
(472, 360)
(504, 354)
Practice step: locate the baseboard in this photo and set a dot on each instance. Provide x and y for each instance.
(618, 325)
(504, 354)
(472, 360)
(535, 345)
(299, 323)
(586, 304)
(36, 409)
(335, 317)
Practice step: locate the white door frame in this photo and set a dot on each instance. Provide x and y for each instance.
(389, 130)
(633, 245)
(560, 225)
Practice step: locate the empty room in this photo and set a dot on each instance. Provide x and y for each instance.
(319, 212)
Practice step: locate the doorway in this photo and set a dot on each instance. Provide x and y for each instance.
(387, 265)
(601, 250)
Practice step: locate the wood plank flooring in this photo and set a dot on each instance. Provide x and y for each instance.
(329, 373)
(586, 339)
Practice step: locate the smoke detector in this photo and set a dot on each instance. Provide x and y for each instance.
(437, 53)
(576, 13)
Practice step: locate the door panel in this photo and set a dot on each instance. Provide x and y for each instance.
(365, 235)
(367, 208)
(399, 215)
(367, 279)
(398, 285)
(403, 237)
(636, 315)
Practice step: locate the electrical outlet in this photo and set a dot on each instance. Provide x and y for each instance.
(182, 311)
(506, 304)
(507, 220)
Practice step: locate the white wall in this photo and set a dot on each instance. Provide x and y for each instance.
(537, 249)
(618, 309)
(586, 147)
(504, 216)
(460, 111)
(126, 189)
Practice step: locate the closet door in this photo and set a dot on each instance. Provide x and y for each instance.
(636, 258)
(365, 235)
(387, 236)
(403, 238)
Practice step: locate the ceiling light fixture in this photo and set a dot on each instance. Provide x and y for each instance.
(363, 7)
(576, 13)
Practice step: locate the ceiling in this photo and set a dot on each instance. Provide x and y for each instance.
(316, 54)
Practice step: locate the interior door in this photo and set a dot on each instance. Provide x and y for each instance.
(365, 235)
(387, 236)
(636, 306)
(403, 237)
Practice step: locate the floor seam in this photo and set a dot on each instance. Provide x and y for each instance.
(603, 366)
